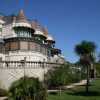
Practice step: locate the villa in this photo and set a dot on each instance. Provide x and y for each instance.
(26, 48)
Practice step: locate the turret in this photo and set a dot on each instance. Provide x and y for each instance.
(22, 26)
(39, 34)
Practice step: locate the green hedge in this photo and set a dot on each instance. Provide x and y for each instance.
(62, 75)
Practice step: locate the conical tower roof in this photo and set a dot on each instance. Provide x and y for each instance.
(21, 20)
(21, 16)
(45, 31)
(34, 24)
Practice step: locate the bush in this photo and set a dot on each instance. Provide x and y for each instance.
(61, 76)
(27, 88)
(3, 93)
(97, 65)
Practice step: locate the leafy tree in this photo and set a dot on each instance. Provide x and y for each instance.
(27, 88)
(86, 50)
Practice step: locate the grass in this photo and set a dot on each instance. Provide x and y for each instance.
(78, 93)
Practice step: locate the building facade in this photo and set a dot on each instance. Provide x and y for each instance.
(23, 40)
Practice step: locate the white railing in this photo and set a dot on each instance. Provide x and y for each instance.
(27, 64)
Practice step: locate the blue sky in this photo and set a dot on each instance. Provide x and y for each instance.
(69, 21)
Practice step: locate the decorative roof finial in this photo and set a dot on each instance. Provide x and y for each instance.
(21, 14)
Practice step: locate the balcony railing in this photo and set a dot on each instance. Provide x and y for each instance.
(27, 64)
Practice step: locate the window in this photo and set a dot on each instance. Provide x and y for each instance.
(14, 45)
(7, 46)
(23, 33)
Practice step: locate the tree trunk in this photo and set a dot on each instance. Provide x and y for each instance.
(87, 84)
(60, 91)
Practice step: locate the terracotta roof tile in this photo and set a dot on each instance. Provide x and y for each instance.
(21, 14)
(21, 17)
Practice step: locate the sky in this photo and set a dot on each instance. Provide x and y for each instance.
(68, 21)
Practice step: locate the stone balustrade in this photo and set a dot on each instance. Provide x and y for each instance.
(27, 64)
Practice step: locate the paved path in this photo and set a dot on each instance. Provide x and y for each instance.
(3, 98)
(83, 82)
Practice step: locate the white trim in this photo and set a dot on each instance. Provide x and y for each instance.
(49, 37)
(1, 21)
(37, 32)
(21, 24)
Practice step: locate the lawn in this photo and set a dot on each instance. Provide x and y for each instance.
(78, 93)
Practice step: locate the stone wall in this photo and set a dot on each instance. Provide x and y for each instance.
(7, 76)
(11, 71)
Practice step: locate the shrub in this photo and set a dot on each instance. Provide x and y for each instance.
(61, 76)
(97, 65)
(3, 92)
(27, 88)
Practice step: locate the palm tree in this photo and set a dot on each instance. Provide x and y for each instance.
(86, 50)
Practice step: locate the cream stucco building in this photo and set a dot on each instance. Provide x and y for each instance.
(25, 46)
